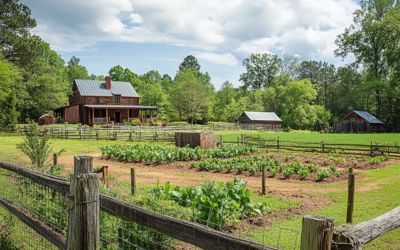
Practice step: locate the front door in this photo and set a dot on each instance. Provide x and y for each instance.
(117, 117)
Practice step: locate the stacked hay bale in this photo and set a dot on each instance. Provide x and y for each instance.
(47, 119)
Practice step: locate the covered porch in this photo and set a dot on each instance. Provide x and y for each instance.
(104, 114)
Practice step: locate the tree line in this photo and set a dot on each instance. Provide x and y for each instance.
(35, 80)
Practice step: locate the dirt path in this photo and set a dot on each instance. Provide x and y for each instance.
(185, 176)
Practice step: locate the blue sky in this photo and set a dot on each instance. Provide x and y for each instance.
(145, 35)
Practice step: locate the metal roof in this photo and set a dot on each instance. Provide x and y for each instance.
(121, 106)
(98, 88)
(368, 117)
(262, 116)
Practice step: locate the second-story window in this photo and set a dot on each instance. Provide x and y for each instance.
(117, 98)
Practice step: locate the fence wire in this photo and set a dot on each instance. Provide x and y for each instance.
(254, 228)
(36, 201)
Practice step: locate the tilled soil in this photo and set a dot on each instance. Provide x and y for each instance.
(185, 176)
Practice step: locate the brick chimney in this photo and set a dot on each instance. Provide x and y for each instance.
(108, 82)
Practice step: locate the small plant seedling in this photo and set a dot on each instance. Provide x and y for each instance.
(181, 165)
(339, 173)
(355, 163)
(326, 162)
(332, 169)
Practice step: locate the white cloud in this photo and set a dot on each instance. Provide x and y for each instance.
(225, 59)
(136, 18)
(220, 28)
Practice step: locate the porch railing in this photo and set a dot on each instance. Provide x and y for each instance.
(98, 120)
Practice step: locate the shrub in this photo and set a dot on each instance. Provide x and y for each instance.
(36, 147)
(135, 122)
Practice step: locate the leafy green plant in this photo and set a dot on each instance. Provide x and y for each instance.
(332, 169)
(323, 175)
(288, 172)
(303, 173)
(338, 173)
(355, 163)
(326, 162)
(214, 204)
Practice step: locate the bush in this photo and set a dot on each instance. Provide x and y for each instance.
(135, 122)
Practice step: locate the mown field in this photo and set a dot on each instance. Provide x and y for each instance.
(377, 190)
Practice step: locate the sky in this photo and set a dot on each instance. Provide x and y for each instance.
(145, 35)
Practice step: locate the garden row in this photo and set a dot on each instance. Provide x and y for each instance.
(160, 154)
(215, 205)
(255, 164)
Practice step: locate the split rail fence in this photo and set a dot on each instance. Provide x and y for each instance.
(79, 214)
(321, 147)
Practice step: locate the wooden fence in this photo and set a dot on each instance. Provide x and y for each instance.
(85, 203)
(322, 147)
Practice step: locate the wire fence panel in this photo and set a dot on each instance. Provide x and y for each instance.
(40, 207)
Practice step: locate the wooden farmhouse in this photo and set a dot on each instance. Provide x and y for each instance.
(266, 120)
(358, 122)
(102, 102)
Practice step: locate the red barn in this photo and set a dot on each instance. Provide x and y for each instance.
(359, 122)
(101, 102)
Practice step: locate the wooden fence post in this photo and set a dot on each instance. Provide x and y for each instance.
(83, 206)
(350, 197)
(130, 136)
(97, 135)
(263, 179)
(105, 174)
(371, 148)
(54, 159)
(317, 232)
(133, 181)
(278, 145)
(221, 140)
(323, 147)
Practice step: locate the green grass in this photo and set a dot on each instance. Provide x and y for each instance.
(368, 205)
(307, 136)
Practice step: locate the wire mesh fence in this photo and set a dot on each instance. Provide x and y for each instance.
(255, 228)
(36, 204)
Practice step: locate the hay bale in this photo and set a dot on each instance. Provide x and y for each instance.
(47, 119)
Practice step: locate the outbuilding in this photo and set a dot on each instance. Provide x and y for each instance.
(358, 122)
(255, 120)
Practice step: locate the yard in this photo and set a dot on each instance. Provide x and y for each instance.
(290, 196)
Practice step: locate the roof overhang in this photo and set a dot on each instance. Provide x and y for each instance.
(119, 107)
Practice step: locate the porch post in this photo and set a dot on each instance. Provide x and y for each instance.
(106, 116)
(142, 115)
(151, 115)
(93, 116)
(127, 110)
(156, 115)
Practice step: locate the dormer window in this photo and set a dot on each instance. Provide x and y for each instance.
(353, 118)
(117, 98)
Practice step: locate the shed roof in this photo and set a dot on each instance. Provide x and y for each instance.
(262, 116)
(98, 88)
(368, 117)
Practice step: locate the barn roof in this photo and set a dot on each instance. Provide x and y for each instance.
(262, 116)
(367, 116)
(98, 88)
